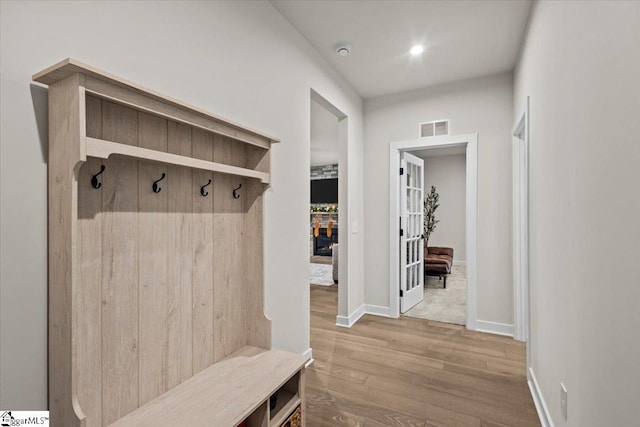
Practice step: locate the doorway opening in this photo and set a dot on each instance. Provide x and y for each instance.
(400, 186)
(520, 145)
(444, 236)
(324, 207)
(327, 206)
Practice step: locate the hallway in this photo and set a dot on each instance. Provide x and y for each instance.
(411, 372)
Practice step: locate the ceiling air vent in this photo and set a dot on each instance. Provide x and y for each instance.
(436, 128)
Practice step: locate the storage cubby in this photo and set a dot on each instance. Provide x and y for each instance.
(288, 399)
(259, 417)
(156, 261)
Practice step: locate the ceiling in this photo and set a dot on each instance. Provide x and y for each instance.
(324, 136)
(462, 39)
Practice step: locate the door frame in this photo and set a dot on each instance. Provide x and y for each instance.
(470, 142)
(521, 255)
(345, 258)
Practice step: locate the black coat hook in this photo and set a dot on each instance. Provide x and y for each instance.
(155, 187)
(235, 192)
(94, 179)
(202, 192)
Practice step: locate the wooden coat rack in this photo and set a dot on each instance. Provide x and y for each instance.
(156, 262)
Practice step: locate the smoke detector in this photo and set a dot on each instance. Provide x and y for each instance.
(343, 49)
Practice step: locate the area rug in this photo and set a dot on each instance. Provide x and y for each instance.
(444, 305)
(321, 274)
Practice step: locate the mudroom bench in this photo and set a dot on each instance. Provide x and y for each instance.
(156, 263)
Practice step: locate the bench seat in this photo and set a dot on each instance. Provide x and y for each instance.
(222, 395)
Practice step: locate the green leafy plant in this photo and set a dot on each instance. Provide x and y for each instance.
(430, 206)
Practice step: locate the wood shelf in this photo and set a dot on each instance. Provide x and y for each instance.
(286, 404)
(224, 394)
(103, 149)
(108, 86)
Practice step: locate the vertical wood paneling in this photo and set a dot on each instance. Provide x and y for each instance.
(180, 191)
(175, 278)
(229, 325)
(88, 296)
(203, 268)
(153, 258)
(119, 268)
(258, 326)
(257, 158)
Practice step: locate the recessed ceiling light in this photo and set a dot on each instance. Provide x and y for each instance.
(343, 49)
(416, 50)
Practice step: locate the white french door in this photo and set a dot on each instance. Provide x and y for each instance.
(411, 232)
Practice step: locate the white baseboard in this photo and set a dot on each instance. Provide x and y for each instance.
(377, 310)
(309, 354)
(349, 321)
(494, 328)
(538, 400)
(480, 326)
(459, 262)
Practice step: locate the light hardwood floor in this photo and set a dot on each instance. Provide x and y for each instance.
(411, 372)
(318, 259)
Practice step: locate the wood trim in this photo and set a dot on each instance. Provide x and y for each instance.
(494, 328)
(349, 321)
(443, 141)
(66, 120)
(70, 66)
(520, 219)
(309, 355)
(538, 400)
(302, 386)
(103, 149)
(376, 310)
(471, 206)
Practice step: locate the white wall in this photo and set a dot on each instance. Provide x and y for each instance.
(581, 67)
(241, 60)
(481, 105)
(448, 174)
(324, 136)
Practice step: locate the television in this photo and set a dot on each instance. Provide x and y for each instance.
(324, 190)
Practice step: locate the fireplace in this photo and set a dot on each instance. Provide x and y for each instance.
(322, 244)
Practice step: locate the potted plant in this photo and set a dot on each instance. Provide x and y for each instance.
(430, 206)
